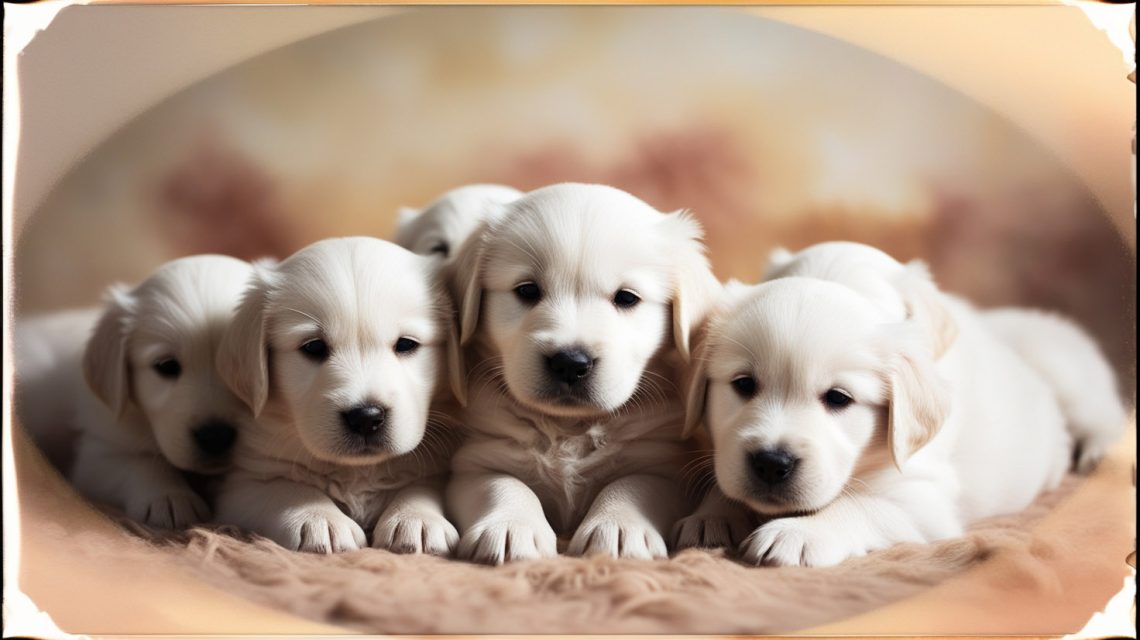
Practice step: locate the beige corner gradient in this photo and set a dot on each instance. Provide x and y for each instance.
(1049, 78)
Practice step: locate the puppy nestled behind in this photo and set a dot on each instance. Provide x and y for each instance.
(442, 227)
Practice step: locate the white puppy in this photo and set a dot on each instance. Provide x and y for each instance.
(152, 403)
(854, 406)
(338, 350)
(441, 228)
(577, 307)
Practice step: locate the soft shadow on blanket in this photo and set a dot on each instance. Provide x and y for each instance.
(695, 592)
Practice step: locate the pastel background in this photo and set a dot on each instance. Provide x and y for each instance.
(773, 135)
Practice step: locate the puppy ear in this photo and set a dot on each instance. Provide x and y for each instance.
(243, 355)
(695, 288)
(697, 389)
(918, 406)
(105, 365)
(463, 281)
(777, 260)
(924, 306)
(456, 369)
(404, 215)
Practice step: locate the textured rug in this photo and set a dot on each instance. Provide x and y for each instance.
(694, 592)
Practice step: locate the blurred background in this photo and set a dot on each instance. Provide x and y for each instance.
(772, 134)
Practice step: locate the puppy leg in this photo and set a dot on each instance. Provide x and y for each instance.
(142, 483)
(854, 525)
(414, 523)
(501, 519)
(295, 516)
(630, 518)
(717, 522)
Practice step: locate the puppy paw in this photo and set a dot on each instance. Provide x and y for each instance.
(417, 531)
(631, 537)
(710, 531)
(496, 542)
(795, 542)
(174, 510)
(318, 530)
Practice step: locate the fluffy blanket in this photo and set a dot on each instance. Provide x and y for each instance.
(694, 592)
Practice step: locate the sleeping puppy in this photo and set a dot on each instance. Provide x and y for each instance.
(576, 310)
(442, 227)
(337, 350)
(852, 406)
(130, 392)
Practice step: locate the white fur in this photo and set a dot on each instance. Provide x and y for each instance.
(441, 227)
(948, 424)
(301, 478)
(600, 464)
(124, 432)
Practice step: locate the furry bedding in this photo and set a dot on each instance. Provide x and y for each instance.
(695, 592)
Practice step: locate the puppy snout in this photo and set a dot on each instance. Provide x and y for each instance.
(364, 420)
(215, 437)
(570, 366)
(772, 466)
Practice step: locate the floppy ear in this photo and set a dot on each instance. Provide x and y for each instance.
(404, 215)
(777, 260)
(243, 354)
(695, 288)
(918, 406)
(456, 371)
(697, 389)
(925, 306)
(463, 281)
(105, 365)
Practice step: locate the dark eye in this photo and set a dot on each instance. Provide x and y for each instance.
(626, 299)
(168, 368)
(315, 350)
(406, 345)
(441, 248)
(837, 399)
(528, 292)
(745, 386)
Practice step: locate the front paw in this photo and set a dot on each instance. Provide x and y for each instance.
(177, 509)
(318, 530)
(806, 541)
(417, 531)
(499, 541)
(629, 537)
(710, 531)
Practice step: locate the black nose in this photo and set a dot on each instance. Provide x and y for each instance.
(215, 437)
(365, 420)
(571, 366)
(772, 466)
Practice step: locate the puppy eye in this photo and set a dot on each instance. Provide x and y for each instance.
(837, 399)
(528, 292)
(626, 299)
(745, 386)
(315, 350)
(441, 248)
(168, 368)
(405, 345)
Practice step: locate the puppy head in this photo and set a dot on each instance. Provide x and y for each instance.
(576, 288)
(346, 338)
(153, 350)
(442, 227)
(901, 291)
(804, 384)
